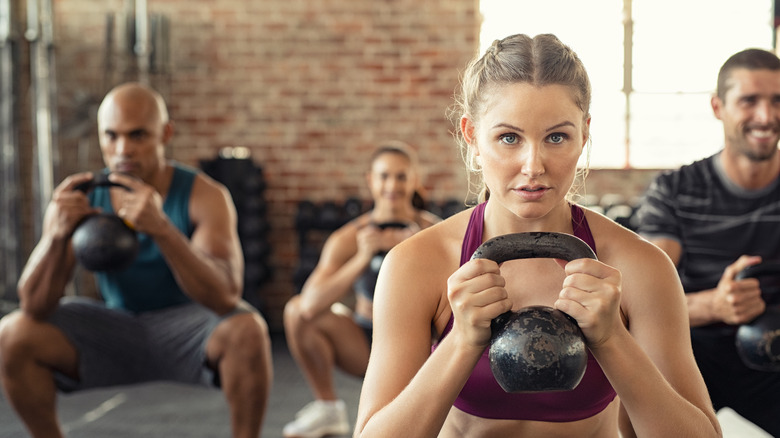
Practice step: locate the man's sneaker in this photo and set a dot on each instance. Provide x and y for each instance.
(319, 418)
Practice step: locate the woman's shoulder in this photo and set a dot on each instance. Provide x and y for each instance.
(617, 245)
(650, 284)
(646, 270)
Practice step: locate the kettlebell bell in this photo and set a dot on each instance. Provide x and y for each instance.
(103, 241)
(366, 283)
(758, 342)
(537, 348)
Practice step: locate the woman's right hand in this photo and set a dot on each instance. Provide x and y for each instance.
(477, 295)
(369, 241)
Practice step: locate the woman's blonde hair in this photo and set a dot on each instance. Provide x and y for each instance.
(541, 60)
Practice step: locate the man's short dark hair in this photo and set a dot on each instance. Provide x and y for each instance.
(750, 59)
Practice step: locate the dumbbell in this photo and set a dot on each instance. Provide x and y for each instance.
(758, 342)
(537, 348)
(103, 241)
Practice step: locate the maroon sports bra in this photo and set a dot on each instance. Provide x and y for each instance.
(483, 397)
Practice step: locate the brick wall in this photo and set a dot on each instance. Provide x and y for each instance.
(309, 87)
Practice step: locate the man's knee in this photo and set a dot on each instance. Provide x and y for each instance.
(246, 331)
(16, 338)
(13, 331)
(24, 338)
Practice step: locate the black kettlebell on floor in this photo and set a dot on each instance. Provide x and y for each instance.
(758, 342)
(367, 280)
(538, 348)
(103, 241)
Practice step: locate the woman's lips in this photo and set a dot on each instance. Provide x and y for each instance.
(532, 193)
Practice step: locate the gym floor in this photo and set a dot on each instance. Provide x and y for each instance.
(172, 410)
(182, 411)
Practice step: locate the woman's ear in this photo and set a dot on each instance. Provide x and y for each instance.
(467, 129)
(586, 131)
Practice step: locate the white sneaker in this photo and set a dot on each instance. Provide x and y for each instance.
(317, 419)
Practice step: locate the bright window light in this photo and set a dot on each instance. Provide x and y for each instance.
(678, 47)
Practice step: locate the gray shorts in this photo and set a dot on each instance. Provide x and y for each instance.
(116, 347)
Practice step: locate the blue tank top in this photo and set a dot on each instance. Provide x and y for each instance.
(483, 397)
(148, 283)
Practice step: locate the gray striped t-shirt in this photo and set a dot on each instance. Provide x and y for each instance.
(713, 219)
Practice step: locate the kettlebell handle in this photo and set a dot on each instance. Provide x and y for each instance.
(395, 225)
(539, 244)
(99, 180)
(759, 270)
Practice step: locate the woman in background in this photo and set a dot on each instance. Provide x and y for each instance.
(322, 333)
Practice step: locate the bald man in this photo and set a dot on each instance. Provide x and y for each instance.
(178, 316)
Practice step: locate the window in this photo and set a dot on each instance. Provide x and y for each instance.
(677, 48)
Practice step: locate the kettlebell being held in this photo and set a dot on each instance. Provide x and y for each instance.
(366, 283)
(758, 342)
(103, 241)
(538, 348)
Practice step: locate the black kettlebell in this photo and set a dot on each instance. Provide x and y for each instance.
(366, 283)
(758, 342)
(538, 348)
(103, 241)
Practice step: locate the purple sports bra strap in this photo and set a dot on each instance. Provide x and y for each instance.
(580, 226)
(473, 237)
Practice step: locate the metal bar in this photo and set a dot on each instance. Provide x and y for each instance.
(142, 41)
(10, 225)
(5, 21)
(47, 37)
(628, 66)
(108, 57)
(41, 76)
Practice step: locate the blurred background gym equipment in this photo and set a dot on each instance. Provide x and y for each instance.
(245, 180)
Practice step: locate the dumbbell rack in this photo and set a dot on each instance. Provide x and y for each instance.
(246, 182)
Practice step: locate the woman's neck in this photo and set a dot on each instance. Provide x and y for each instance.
(382, 214)
(499, 221)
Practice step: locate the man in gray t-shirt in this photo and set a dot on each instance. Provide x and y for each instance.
(719, 215)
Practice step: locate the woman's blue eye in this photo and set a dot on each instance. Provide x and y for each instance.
(509, 138)
(557, 138)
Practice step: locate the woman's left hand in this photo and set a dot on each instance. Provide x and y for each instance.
(591, 295)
